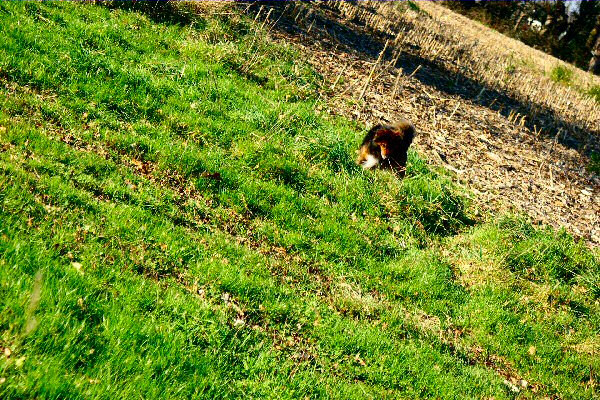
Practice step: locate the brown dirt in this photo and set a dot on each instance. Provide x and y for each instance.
(518, 152)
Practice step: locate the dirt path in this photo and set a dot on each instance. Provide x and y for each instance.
(485, 136)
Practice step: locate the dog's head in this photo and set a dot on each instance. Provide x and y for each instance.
(383, 140)
(394, 139)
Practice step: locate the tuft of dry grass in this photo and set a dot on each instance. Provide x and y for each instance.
(205, 7)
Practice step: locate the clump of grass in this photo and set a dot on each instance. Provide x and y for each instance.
(413, 6)
(540, 254)
(432, 202)
(594, 92)
(594, 165)
(561, 74)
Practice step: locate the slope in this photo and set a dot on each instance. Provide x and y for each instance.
(179, 222)
(485, 104)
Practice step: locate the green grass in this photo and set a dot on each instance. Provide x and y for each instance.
(176, 220)
(594, 92)
(594, 165)
(560, 74)
(413, 6)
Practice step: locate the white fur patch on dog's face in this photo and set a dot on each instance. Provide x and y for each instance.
(370, 162)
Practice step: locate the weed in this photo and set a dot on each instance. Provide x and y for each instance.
(561, 74)
(413, 6)
(594, 92)
(594, 165)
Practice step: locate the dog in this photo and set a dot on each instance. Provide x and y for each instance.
(386, 147)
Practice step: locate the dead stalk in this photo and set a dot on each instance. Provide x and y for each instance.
(337, 79)
(415, 71)
(396, 83)
(362, 93)
(480, 94)
(258, 13)
(454, 111)
(266, 19)
(311, 25)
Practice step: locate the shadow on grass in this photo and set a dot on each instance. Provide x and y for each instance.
(161, 11)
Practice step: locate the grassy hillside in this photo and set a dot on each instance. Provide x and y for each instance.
(178, 219)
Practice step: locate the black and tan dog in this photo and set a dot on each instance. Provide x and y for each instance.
(386, 146)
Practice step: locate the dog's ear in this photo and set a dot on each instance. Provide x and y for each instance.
(383, 134)
(409, 135)
(371, 134)
(406, 131)
(376, 128)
